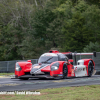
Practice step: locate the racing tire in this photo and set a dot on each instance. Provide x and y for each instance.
(23, 78)
(65, 71)
(90, 69)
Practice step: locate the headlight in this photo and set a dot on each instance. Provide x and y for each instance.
(55, 66)
(18, 68)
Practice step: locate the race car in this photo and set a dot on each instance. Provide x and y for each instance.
(55, 64)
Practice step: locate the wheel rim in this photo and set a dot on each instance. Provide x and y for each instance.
(90, 69)
(65, 72)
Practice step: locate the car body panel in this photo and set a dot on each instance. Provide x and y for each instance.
(80, 70)
(46, 69)
(56, 60)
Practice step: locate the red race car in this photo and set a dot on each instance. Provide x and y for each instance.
(55, 64)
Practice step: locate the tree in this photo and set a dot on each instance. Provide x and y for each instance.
(15, 20)
(75, 30)
(92, 47)
(29, 28)
(92, 21)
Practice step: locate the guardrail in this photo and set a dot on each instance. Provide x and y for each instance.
(9, 66)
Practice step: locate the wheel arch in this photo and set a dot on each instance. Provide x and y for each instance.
(65, 70)
(90, 67)
(92, 62)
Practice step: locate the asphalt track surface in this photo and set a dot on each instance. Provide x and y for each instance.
(8, 84)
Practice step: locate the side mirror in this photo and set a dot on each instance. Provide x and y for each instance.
(94, 53)
(70, 61)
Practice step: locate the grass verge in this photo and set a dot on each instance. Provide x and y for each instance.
(6, 74)
(91, 92)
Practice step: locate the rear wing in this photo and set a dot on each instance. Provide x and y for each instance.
(94, 53)
(71, 55)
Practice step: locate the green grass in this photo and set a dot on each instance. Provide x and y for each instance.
(6, 74)
(65, 93)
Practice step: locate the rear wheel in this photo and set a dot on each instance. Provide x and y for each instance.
(90, 68)
(65, 71)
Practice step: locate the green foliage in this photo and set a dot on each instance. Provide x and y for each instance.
(75, 30)
(29, 28)
(92, 47)
(96, 2)
(92, 18)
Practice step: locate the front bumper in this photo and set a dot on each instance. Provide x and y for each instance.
(38, 76)
(30, 76)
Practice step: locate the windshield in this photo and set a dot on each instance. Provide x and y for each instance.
(47, 59)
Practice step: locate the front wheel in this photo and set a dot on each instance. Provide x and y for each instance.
(90, 68)
(65, 71)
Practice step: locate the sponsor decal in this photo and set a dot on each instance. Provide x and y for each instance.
(48, 55)
(37, 66)
(78, 69)
(60, 75)
(72, 72)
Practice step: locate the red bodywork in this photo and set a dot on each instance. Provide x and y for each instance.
(86, 62)
(58, 72)
(26, 67)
